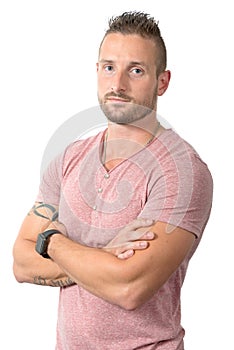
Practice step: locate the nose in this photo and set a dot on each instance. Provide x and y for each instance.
(119, 82)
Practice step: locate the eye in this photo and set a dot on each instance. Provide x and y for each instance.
(137, 71)
(108, 68)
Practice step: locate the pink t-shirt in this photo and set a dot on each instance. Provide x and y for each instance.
(165, 181)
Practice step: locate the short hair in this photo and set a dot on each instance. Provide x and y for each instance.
(142, 24)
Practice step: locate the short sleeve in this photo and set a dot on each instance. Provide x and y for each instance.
(182, 195)
(50, 186)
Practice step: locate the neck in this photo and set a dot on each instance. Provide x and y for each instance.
(122, 141)
(139, 131)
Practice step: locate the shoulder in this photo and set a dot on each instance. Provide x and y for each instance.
(84, 144)
(80, 149)
(173, 144)
(173, 150)
(184, 187)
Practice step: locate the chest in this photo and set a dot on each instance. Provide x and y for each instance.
(95, 203)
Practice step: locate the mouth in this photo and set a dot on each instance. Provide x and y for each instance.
(117, 100)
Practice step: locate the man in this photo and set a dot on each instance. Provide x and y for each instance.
(120, 214)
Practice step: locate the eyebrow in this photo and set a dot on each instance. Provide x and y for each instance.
(131, 63)
(106, 61)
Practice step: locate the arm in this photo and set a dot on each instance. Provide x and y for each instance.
(30, 267)
(127, 283)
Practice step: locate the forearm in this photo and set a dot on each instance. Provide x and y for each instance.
(97, 271)
(30, 267)
(126, 283)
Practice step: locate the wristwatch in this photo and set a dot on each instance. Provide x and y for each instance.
(43, 241)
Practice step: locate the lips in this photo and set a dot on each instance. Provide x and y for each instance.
(117, 100)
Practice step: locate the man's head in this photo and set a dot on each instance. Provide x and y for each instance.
(131, 67)
(141, 24)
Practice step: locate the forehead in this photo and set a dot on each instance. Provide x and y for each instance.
(129, 47)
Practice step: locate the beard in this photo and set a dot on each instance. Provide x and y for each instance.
(126, 112)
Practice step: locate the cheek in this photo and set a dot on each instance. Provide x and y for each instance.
(102, 89)
(147, 89)
(154, 87)
(102, 83)
(100, 86)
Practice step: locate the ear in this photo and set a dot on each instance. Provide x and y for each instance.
(163, 82)
(97, 66)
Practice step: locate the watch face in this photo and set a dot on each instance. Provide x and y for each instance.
(41, 244)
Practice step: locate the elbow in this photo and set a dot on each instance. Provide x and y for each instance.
(136, 293)
(19, 268)
(131, 299)
(18, 273)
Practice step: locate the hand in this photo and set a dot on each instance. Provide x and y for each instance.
(131, 238)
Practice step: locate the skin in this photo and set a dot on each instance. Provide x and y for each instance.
(30, 267)
(126, 81)
(127, 75)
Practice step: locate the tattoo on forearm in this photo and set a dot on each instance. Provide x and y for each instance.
(61, 283)
(52, 283)
(45, 211)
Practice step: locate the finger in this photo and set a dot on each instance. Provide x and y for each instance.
(134, 246)
(138, 245)
(140, 222)
(127, 254)
(135, 241)
(132, 236)
(148, 235)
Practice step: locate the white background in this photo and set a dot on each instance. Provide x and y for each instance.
(48, 53)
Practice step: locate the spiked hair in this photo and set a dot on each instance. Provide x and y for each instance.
(142, 24)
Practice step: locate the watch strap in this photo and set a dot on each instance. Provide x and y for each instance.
(42, 242)
(49, 233)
